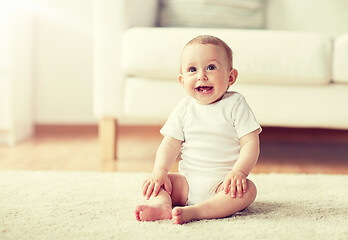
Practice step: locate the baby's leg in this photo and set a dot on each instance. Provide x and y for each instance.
(219, 206)
(160, 207)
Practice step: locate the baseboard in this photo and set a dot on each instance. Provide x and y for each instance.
(65, 128)
(269, 133)
(88, 128)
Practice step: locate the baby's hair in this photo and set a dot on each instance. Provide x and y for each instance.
(208, 39)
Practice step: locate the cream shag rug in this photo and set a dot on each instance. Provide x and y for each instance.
(95, 205)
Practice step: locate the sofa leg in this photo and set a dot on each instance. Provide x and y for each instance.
(108, 138)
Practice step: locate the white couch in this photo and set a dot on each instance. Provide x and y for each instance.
(293, 73)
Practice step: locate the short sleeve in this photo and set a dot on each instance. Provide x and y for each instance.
(174, 125)
(243, 118)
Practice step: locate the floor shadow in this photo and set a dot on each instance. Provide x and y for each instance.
(300, 209)
(261, 208)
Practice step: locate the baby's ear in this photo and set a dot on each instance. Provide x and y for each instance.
(233, 76)
(181, 80)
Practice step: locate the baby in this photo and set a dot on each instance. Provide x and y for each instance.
(218, 136)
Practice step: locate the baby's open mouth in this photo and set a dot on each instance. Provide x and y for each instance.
(204, 89)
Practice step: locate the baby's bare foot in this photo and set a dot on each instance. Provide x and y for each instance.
(183, 215)
(152, 213)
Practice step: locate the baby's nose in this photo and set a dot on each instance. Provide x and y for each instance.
(202, 76)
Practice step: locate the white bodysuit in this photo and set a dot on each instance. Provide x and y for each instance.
(210, 140)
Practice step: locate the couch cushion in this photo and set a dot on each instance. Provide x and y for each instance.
(340, 60)
(143, 98)
(217, 13)
(290, 106)
(296, 106)
(260, 56)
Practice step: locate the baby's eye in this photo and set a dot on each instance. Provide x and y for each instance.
(192, 69)
(211, 67)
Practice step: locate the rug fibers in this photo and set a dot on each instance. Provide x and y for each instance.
(96, 205)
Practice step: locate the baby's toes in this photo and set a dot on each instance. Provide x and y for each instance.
(137, 211)
(176, 213)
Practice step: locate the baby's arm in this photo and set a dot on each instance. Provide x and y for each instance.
(165, 157)
(249, 153)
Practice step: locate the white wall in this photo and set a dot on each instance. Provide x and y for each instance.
(63, 62)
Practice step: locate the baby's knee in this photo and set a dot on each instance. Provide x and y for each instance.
(251, 189)
(180, 189)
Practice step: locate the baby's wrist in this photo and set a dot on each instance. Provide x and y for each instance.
(241, 171)
(159, 171)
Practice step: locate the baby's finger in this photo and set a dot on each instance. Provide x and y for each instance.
(233, 189)
(168, 187)
(226, 185)
(149, 190)
(157, 189)
(145, 186)
(244, 183)
(239, 188)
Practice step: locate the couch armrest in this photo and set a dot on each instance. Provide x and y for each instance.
(340, 59)
(110, 20)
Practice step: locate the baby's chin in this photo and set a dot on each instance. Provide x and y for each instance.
(208, 101)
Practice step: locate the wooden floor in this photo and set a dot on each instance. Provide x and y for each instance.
(76, 148)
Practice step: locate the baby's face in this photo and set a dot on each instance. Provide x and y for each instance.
(206, 74)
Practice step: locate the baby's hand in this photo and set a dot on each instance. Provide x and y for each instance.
(236, 182)
(154, 182)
